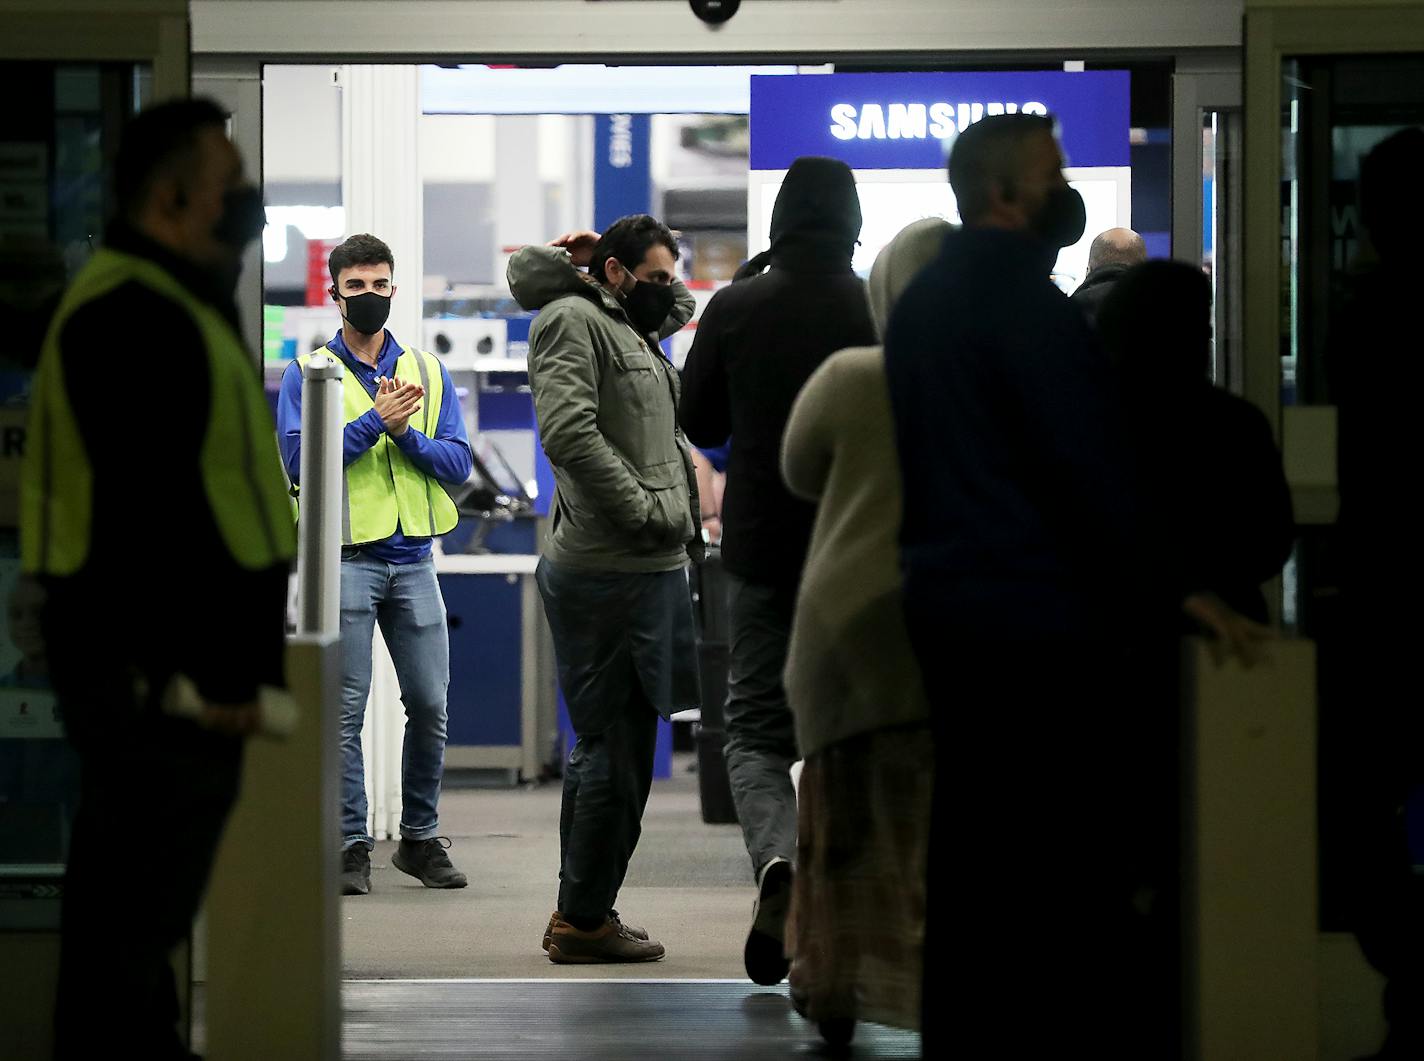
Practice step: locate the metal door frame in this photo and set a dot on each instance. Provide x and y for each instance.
(236, 85)
(1275, 32)
(1204, 84)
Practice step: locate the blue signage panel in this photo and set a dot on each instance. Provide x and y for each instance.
(906, 121)
(622, 177)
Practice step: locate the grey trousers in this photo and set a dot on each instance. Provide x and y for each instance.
(761, 734)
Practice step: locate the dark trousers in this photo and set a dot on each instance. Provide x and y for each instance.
(606, 784)
(1041, 928)
(616, 636)
(155, 795)
(761, 731)
(1372, 763)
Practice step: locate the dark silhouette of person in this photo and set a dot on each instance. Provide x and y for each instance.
(1112, 253)
(1208, 466)
(215, 543)
(1022, 561)
(1217, 512)
(1373, 760)
(757, 344)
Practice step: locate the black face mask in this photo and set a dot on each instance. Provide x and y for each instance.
(242, 218)
(367, 313)
(1061, 220)
(648, 305)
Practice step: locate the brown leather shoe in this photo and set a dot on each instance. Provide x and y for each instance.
(555, 918)
(611, 942)
(632, 930)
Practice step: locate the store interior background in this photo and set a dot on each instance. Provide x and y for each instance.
(495, 181)
(304, 148)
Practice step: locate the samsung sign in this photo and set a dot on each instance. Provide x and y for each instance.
(915, 121)
(907, 121)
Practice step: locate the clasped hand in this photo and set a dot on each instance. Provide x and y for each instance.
(396, 402)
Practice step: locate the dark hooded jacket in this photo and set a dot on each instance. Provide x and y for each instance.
(757, 344)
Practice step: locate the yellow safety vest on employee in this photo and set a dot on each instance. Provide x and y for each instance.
(240, 465)
(383, 487)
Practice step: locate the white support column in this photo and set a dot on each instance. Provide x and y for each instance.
(380, 176)
(518, 201)
(382, 193)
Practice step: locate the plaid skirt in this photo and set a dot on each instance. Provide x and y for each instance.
(855, 932)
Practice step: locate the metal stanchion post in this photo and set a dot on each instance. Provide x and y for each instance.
(322, 500)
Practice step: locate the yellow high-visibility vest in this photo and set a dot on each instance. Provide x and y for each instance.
(241, 468)
(383, 488)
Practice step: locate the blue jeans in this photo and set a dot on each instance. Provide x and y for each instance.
(405, 599)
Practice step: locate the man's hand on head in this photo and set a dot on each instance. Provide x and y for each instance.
(579, 245)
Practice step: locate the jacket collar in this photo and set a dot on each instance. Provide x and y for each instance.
(203, 284)
(1104, 274)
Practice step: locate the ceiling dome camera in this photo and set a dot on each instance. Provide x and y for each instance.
(715, 12)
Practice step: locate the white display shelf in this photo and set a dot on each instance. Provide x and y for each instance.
(487, 564)
(501, 364)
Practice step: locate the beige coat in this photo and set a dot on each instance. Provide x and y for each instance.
(849, 669)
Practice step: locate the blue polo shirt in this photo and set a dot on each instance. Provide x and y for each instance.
(445, 457)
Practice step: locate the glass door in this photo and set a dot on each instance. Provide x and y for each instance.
(54, 158)
(1206, 194)
(1338, 109)
(1221, 228)
(1325, 86)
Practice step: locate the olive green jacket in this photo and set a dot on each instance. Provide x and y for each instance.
(607, 404)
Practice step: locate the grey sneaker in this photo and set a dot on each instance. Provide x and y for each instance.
(356, 870)
(765, 953)
(427, 862)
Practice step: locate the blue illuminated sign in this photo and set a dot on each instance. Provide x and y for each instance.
(907, 121)
(622, 180)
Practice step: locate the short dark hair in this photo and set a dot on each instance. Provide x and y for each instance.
(159, 141)
(360, 249)
(986, 155)
(629, 239)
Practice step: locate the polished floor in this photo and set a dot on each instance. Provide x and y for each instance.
(460, 974)
(590, 1020)
(689, 884)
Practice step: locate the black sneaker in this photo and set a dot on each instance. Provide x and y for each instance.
(356, 870)
(765, 952)
(427, 862)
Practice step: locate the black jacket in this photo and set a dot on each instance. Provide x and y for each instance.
(159, 591)
(1215, 491)
(1095, 288)
(1020, 518)
(757, 344)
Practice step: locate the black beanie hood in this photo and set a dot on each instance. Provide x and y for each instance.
(817, 198)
